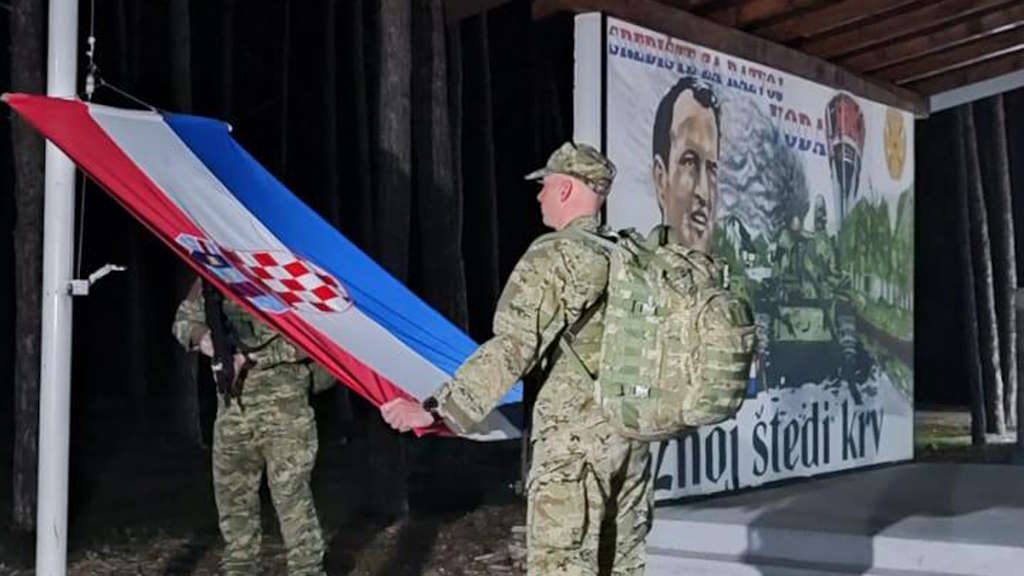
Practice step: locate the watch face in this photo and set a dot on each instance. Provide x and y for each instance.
(895, 143)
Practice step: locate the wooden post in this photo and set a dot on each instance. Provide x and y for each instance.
(1019, 304)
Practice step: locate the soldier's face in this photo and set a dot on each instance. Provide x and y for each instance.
(687, 181)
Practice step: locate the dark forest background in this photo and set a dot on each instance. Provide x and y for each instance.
(410, 132)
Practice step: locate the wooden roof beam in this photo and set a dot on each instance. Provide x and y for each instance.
(983, 70)
(456, 10)
(753, 12)
(690, 5)
(930, 15)
(943, 38)
(960, 56)
(828, 18)
(687, 27)
(714, 6)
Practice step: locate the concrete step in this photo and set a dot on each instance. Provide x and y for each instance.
(937, 519)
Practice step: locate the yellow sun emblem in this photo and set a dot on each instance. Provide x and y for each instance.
(895, 143)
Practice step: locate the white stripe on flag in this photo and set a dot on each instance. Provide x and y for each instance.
(171, 165)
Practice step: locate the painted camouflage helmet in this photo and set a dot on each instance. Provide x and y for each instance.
(579, 161)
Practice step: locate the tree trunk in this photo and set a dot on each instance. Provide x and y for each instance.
(183, 385)
(134, 47)
(392, 165)
(453, 42)
(28, 18)
(135, 307)
(122, 40)
(983, 280)
(975, 382)
(393, 162)
(551, 56)
(359, 226)
(285, 75)
(437, 228)
(180, 29)
(329, 107)
(227, 61)
(995, 169)
(331, 164)
(1019, 297)
(1013, 108)
(480, 227)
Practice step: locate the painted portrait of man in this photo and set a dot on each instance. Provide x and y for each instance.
(685, 147)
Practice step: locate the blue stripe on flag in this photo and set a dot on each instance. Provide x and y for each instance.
(379, 295)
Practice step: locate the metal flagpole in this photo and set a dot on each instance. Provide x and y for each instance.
(55, 369)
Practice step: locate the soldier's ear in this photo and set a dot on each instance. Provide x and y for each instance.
(565, 188)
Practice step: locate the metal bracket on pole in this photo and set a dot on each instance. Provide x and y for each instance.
(80, 287)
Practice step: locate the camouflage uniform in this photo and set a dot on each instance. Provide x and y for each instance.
(275, 428)
(589, 489)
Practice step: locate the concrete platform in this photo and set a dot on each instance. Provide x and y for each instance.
(910, 519)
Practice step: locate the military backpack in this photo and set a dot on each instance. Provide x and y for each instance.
(677, 344)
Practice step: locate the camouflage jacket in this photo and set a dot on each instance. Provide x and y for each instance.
(282, 371)
(555, 281)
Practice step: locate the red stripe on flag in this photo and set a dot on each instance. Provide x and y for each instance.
(68, 124)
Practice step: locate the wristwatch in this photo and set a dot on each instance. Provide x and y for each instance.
(430, 404)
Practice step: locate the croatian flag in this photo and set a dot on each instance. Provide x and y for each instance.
(188, 181)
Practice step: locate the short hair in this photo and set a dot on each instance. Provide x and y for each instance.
(704, 96)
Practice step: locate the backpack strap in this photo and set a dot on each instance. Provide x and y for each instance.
(569, 334)
(568, 337)
(586, 236)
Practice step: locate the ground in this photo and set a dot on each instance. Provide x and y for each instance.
(944, 435)
(431, 546)
(145, 507)
(148, 509)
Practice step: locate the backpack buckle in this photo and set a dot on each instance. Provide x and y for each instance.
(643, 307)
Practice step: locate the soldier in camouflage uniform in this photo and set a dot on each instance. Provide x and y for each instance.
(589, 489)
(272, 426)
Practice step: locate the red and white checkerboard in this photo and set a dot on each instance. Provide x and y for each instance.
(297, 282)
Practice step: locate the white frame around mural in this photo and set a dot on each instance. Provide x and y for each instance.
(746, 452)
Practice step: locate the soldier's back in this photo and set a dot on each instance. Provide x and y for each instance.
(567, 421)
(276, 377)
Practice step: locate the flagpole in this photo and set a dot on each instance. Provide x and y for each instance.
(55, 367)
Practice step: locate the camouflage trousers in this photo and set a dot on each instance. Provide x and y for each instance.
(588, 516)
(281, 438)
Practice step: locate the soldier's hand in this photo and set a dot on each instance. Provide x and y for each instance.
(404, 415)
(206, 344)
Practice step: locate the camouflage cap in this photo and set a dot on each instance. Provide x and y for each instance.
(579, 161)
